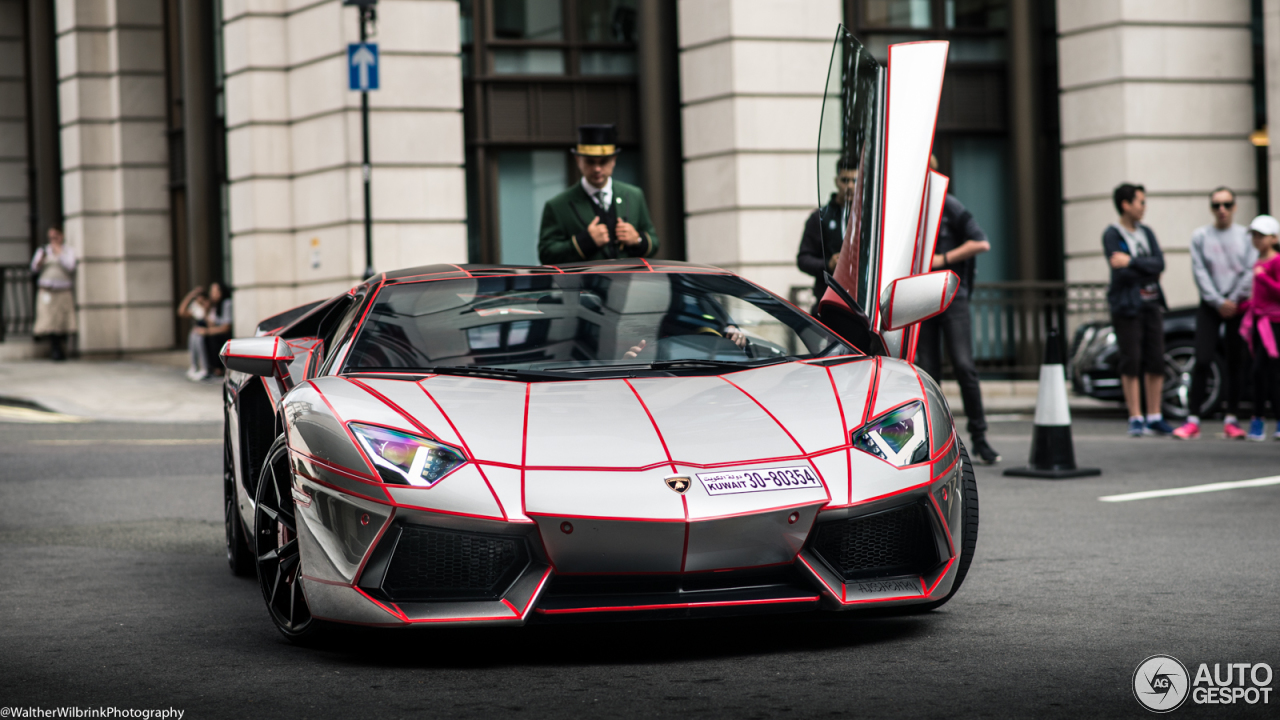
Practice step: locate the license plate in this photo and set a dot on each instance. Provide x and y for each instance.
(732, 482)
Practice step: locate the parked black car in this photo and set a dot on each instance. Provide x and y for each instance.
(1094, 357)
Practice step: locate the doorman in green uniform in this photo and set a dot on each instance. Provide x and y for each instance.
(598, 218)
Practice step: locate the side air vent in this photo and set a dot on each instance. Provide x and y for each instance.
(434, 564)
(897, 541)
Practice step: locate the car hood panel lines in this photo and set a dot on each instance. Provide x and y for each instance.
(604, 448)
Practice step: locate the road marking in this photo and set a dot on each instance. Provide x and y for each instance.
(15, 413)
(152, 441)
(1193, 489)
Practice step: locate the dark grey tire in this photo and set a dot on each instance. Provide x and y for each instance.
(275, 531)
(1179, 365)
(968, 530)
(239, 557)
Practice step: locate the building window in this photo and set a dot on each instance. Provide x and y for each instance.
(972, 132)
(533, 71)
(527, 179)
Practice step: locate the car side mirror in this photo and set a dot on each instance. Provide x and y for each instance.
(265, 356)
(916, 298)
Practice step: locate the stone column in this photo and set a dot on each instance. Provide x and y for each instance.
(294, 156)
(1158, 94)
(752, 74)
(15, 201)
(115, 170)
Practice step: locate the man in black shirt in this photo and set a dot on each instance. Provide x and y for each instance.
(959, 241)
(820, 245)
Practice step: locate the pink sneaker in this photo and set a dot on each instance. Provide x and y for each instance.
(1232, 431)
(1188, 431)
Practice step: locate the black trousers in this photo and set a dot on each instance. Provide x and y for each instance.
(212, 347)
(1208, 326)
(1266, 379)
(954, 326)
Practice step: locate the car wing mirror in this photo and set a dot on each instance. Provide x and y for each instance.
(916, 298)
(264, 356)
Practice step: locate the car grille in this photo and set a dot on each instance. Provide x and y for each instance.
(434, 564)
(892, 542)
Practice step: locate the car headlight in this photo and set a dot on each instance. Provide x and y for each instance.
(404, 459)
(899, 437)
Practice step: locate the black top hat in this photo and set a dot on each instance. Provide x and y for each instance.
(597, 141)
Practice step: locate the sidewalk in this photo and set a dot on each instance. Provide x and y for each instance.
(1016, 400)
(151, 387)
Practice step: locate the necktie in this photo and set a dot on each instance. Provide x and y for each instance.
(600, 198)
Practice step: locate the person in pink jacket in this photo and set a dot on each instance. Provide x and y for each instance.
(1260, 323)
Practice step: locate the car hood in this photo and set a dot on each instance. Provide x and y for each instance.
(604, 448)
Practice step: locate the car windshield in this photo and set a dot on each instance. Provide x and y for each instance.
(580, 323)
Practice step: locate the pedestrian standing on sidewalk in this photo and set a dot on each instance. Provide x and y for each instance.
(1261, 318)
(195, 306)
(960, 239)
(217, 327)
(54, 265)
(1222, 258)
(1137, 308)
(821, 242)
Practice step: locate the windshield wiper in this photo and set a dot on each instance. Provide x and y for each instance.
(497, 372)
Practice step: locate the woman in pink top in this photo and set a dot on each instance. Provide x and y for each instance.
(1261, 320)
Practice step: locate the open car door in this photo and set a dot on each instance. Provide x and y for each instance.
(879, 122)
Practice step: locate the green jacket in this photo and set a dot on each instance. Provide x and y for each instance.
(563, 237)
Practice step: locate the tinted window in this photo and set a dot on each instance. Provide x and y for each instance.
(548, 322)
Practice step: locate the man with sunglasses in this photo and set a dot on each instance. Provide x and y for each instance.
(1222, 258)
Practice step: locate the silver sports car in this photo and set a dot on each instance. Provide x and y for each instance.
(502, 445)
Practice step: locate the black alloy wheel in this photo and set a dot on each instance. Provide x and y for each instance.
(239, 556)
(275, 528)
(1179, 366)
(968, 531)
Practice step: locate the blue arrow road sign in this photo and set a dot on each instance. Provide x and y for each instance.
(362, 66)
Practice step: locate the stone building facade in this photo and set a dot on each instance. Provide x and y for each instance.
(184, 141)
(1162, 94)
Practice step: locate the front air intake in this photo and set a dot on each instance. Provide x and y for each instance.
(434, 564)
(898, 541)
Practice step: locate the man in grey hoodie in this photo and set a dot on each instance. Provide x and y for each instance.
(1222, 258)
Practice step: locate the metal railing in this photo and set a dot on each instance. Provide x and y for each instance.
(1011, 320)
(17, 300)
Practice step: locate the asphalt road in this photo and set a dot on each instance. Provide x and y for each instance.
(114, 592)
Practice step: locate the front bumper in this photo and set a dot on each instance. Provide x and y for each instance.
(374, 564)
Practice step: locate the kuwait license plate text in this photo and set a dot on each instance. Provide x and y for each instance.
(761, 480)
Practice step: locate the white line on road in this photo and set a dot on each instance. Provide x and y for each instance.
(1193, 489)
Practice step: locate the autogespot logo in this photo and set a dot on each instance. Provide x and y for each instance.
(1160, 683)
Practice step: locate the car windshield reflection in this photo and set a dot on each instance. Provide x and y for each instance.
(581, 323)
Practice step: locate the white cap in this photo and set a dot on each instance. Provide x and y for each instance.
(1265, 225)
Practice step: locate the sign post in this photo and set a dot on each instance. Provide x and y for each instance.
(363, 71)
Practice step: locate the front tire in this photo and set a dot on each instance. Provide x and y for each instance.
(1179, 368)
(275, 529)
(968, 528)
